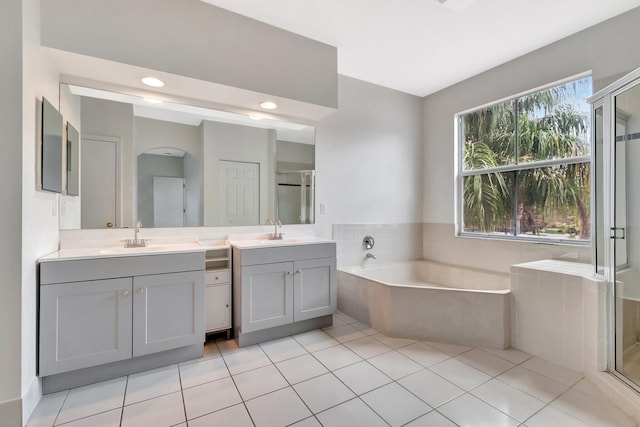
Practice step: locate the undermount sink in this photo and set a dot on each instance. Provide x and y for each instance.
(265, 243)
(142, 249)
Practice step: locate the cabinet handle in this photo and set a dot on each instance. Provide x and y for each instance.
(216, 277)
(298, 271)
(124, 293)
(289, 273)
(226, 305)
(140, 290)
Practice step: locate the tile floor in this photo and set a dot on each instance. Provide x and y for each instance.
(346, 375)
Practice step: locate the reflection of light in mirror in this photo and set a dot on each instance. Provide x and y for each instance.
(255, 117)
(153, 100)
(269, 105)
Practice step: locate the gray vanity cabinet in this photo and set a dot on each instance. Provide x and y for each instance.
(84, 324)
(168, 311)
(283, 290)
(102, 310)
(268, 295)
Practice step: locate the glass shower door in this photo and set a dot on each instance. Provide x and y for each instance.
(624, 232)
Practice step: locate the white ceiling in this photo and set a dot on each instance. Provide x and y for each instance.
(422, 46)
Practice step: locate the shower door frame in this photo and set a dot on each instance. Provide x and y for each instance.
(605, 98)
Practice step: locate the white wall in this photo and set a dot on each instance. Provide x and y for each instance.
(40, 235)
(197, 40)
(368, 157)
(11, 193)
(606, 49)
(70, 213)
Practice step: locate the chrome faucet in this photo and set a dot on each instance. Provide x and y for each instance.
(370, 255)
(276, 235)
(136, 243)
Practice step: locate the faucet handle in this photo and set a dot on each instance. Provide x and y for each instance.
(268, 221)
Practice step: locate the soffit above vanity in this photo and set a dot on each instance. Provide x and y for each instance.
(231, 57)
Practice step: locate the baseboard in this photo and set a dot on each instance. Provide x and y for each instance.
(11, 413)
(31, 398)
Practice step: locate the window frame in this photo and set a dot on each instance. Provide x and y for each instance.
(460, 173)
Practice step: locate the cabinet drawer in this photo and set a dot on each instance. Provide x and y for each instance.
(218, 276)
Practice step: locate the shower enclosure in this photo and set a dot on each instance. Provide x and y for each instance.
(295, 196)
(616, 151)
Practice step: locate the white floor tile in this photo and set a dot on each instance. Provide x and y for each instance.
(344, 317)
(591, 411)
(336, 357)
(202, 372)
(510, 354)
(280, 408)
(103, 419)
(307, 422)
(395, 365)
(513, 402)
(282, 349)
(345, 333)
(338, 321)
(149, 384)
(553, 371)
(534, 384)
(323, 392)
(367, 347)
(552, 417)
(163, 411)
(210, 350)
(259, 381)
(587, 387)
(424, 354)
(484, 361)
(366, 329)
(301, 368)
(210, 397)
(432, 419)
(245, 359)
(393, 342)
(47, 410)
(450, 349)
(362, 377)
(236, 416)
(350, 414)
(461, 374)
(92, 399)
(315, 340)
(395, 405)
(469, 411)
(431, 388)
(227, 346)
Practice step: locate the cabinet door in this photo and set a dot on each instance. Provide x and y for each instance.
(218, 308)
(168, 311)
(267, 296)
(84, 324)
(315, 289)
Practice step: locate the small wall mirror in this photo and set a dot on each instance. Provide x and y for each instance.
(51, 154)
(73, 160)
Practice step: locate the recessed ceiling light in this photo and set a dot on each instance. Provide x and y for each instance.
(269, 105)
(153, 82)
(153, 100)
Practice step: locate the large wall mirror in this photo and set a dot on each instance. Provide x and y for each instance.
(174, 165)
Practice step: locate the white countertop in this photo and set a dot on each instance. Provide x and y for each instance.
(120, 251)
(267, 243)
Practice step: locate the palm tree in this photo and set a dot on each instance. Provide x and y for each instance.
(548, 127)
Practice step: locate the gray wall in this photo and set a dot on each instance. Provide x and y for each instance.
(608, 49)
(225, 141)
(194, 39)
(11, 193)
(150, 165)
(294, 156)
(115, 119)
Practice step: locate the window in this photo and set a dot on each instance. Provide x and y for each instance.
(524, 166)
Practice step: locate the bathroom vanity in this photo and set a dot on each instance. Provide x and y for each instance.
(282, 287)
(106, 313)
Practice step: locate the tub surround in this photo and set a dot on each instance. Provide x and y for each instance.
(558, 313)
(429, 301)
